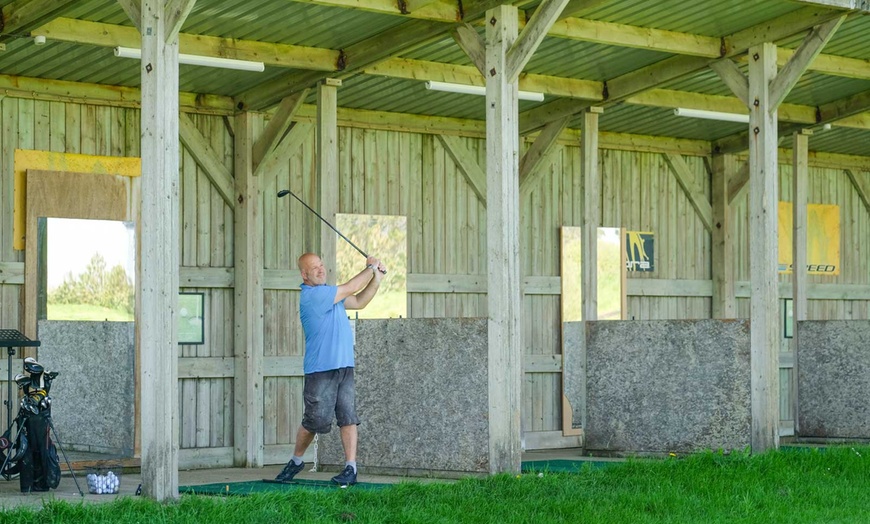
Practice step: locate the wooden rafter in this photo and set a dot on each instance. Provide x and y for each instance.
(363, 54)
(474, 175)
(844, 108)
(809, 49)
(277, 127)
(469, 41)
(22, 16)
(219, 175)
(532, 35)
(109, 35)
(321, 59)
(176, 14)
(851, 5)
(733, 77)
(693, 191)
(629, 84)
(133, 8)
(539, 150)
(862, 186)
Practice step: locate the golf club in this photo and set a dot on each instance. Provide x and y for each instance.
(285, 192)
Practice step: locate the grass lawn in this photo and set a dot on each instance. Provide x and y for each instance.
(87, 312)
(795, 486)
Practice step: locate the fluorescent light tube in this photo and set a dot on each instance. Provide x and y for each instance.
(207, 61)
(712, 115)
(465, 89)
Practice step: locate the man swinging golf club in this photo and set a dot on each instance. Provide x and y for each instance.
(328, 362)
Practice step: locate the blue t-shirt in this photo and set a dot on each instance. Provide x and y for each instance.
(328, 339)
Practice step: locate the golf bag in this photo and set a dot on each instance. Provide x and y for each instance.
(40, 465)
(31, 453)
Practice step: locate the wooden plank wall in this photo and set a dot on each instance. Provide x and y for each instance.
(410, 174)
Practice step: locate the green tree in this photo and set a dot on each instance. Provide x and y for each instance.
(97, 286)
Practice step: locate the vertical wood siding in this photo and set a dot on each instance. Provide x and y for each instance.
(410, 174)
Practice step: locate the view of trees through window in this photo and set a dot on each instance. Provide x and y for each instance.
(609, 277)
(384, 237)
(90, 270)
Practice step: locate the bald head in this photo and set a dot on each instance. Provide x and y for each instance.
(312, 270)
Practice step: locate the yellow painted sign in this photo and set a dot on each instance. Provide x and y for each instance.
(52, 161)
(823, 238)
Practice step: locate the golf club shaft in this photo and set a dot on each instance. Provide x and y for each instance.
(284, 192)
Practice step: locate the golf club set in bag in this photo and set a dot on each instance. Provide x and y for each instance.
(26, 447)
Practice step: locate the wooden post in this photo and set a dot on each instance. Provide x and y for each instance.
(502, 216)
(327, 170)
(248, 332)
(157, 283)
(591, 212)
(763, 245)
(800, 183)
(724, 300)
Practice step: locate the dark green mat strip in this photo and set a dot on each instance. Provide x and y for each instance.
(263, 486)
(563, 466)
(259, 486)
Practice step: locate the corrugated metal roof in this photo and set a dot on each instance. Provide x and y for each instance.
(321, 26)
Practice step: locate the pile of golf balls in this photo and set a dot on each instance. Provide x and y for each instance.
(103, 484)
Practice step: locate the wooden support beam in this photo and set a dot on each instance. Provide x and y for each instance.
(693, 191)
(609, 33)
(844, 108)
(176, 13)
(800, 191)
(591, 174)
(133, 8)
(532, 35)
(809, 49)
(459, 74)
(327, 170)
(468, 40)
(357, 57)
(722, 239)
(538, 151)
(220, 177)
(862, 187)
(283, 151)
(248, 297)
(467, 164)
(624, 86)
(109, 35)
(503, 264)
(737, 182)
(277, 126)
(851, 5)
(733, 78)
(361, 55)
(763, 246)
(157, 287)
(21, 16)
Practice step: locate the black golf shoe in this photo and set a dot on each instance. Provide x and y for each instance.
(289, 471)
(346, 477)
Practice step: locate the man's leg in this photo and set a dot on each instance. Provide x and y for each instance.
(303, 440)
(348, 441)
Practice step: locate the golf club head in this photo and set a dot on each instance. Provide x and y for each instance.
(22, 380)
(283, 193)
(32, 366)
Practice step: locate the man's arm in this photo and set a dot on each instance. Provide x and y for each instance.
(362, 299)
(358, 282)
